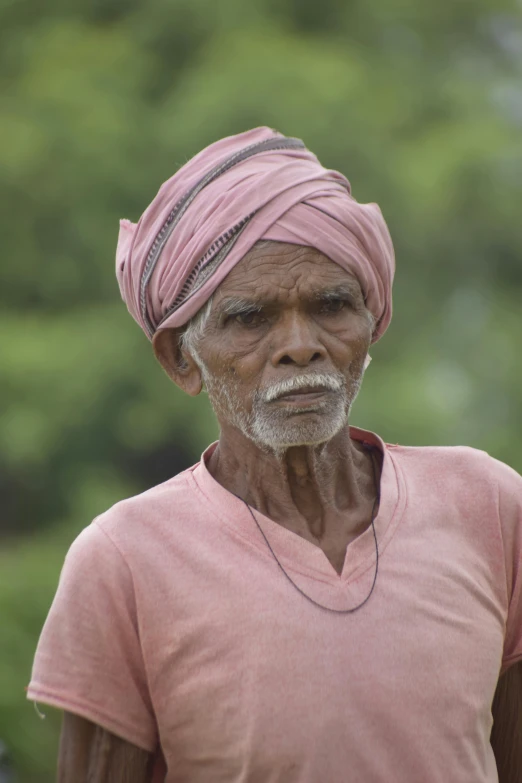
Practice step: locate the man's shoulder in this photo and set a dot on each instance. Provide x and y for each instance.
(167, 502)
(468, 462)
(436, 453)
(440, 458)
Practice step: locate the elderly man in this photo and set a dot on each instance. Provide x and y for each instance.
(307, 604)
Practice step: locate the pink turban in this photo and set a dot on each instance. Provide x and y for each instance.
(204, 219)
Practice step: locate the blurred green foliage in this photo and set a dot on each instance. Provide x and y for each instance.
(419, 104)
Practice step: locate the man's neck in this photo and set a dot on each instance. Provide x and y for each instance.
(312, 490)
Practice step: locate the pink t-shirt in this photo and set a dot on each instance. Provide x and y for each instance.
(174, 628)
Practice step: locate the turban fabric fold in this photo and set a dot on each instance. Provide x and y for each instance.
(237, 191)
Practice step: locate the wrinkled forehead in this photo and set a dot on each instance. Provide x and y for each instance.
(274, 270)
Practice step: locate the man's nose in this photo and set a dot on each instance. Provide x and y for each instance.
(296, 342)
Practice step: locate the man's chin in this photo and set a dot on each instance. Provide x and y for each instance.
(304, 432)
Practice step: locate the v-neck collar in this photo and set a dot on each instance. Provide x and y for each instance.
(296, 553)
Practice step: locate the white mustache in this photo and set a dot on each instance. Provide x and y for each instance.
(330, 381)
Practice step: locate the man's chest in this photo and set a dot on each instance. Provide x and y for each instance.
(246, 673)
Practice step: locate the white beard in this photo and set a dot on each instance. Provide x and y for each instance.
(276, 428)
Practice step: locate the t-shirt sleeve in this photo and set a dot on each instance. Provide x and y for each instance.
(510, 513)
(89, 660)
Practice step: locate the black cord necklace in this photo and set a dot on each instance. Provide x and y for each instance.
(374, 514)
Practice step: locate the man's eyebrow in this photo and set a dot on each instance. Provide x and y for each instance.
(343, 289)
(233, 305)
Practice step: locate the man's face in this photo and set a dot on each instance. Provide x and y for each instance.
(283, 352)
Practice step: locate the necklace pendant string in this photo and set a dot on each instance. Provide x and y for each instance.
(374, 514)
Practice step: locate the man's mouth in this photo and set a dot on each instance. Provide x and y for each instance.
(302, 390)
(306, 395)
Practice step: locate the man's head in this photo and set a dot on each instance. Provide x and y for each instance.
(280, 347)
(263, 319)
(258, 185)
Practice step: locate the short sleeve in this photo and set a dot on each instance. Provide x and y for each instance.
(510, 513)
(89, 660)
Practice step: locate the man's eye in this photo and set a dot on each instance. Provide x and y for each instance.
(249, 318)
(333, 305)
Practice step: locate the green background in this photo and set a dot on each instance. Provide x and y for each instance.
(419, 104)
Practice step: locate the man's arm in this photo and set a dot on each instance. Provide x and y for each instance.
(90, 754)
(506, 734)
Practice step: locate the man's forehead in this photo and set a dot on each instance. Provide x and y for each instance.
(275, 269)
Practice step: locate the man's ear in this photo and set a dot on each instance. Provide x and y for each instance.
(179, 365)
